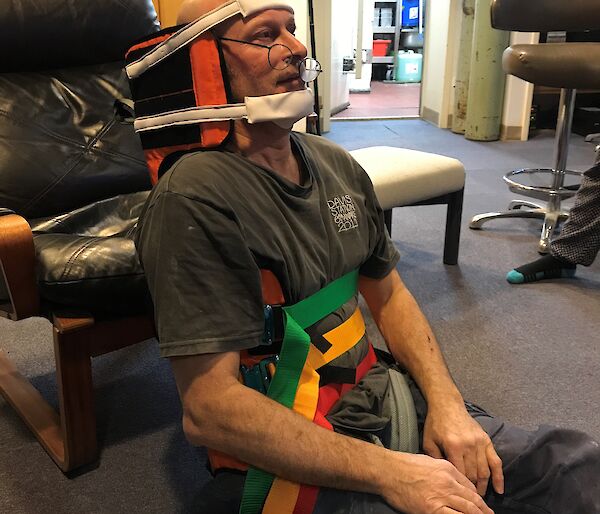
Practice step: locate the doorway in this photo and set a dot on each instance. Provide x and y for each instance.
(384, 77)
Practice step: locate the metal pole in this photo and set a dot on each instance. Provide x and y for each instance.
(563, 135)
(486, 81)
(461, 88)
(359, 40)
(313, 46)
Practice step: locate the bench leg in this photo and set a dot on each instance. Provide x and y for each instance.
(453, 219)
(387, 217)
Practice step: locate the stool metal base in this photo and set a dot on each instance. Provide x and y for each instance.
(552, 213)
(524, 209)
(541, 192)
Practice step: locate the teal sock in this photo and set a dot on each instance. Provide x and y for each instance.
(543, 268)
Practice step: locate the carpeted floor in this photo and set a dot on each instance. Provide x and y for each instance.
(526, 353)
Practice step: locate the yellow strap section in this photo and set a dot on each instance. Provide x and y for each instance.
(307, 394)
(342, 338)
(282, 497)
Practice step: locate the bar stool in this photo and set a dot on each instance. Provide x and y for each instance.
(568, 66)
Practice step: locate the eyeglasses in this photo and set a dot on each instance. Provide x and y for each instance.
(281, 56)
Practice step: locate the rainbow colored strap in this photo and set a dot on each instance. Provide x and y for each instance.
(295, 384)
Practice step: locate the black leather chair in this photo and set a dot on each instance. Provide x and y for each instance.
(73, 180)
(568, 66)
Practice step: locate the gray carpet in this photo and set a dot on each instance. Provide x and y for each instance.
(526, 353)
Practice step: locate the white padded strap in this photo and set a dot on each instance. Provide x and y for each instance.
(181, 38)
(286, 108)
(190, 116)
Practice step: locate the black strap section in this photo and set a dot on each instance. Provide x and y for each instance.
(321, 343)
(336, 375)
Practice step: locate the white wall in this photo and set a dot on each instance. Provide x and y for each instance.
(442, 34)
(303, 34)
(301, 15)
(364, 83)
(343, 40)
(518, 94)
(322, 20)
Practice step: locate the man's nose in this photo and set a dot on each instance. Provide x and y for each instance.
(299, 51)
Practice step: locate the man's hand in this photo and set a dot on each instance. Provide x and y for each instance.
(451, 433)
(424, 485)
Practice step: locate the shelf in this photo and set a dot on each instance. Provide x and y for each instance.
(388, 59)
(384, 30)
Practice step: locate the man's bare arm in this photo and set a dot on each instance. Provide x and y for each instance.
(409, 337)
(223, 414)
(449, 431)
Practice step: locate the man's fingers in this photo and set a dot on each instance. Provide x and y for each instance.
(465, 482)
(495, 464)
(433, 450)
(456, 457)
(483, 471)
(470, 503)
(471, 459)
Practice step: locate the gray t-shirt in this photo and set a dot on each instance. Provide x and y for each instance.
(215, 219)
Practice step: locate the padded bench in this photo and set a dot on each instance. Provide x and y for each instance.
(404, 177)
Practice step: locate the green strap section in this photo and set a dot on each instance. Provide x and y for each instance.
(294, 351)
(310, 310)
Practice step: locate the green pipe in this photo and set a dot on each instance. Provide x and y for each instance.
(461, 87)
(486, 81)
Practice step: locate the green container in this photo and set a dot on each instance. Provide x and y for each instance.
(408, 66)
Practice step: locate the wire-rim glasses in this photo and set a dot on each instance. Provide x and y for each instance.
(281, 56)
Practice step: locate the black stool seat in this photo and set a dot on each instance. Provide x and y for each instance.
(561, 65)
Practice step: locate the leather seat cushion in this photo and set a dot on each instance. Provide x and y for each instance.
(87, 259)
(404, 177)
(562, 65)
(545, 15)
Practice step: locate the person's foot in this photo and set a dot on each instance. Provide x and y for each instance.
(546, 267)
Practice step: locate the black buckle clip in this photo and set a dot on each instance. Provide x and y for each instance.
(274, 325)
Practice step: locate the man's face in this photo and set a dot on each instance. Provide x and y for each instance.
(249, 70)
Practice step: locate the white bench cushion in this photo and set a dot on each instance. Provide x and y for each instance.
(403, 177)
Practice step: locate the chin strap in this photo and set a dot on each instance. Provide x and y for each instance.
(284, 109)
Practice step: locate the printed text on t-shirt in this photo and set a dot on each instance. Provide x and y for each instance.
(344, 212)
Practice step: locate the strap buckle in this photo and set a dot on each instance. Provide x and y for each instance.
(273, 332)
(259, 376)
(274, 325)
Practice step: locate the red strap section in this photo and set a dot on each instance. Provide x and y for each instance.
(149, 42)
(331, 393)
(328, 395)
(307, 497)
(271, 288)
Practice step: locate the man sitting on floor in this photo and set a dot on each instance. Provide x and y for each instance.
(254, 255)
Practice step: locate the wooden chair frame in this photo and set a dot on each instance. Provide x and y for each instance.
(68, 436)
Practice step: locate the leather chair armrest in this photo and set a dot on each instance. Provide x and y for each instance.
(17, 267)
(545, 15)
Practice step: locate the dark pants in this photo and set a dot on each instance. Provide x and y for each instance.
(550, 470)
(579, 239)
